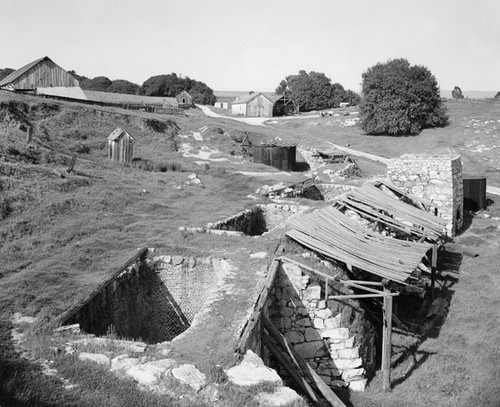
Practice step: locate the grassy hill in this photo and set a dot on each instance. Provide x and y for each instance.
(61, 234)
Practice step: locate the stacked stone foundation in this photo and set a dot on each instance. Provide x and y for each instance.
(435, 178)
(335, 338)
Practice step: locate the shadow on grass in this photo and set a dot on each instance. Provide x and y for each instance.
(423, 319)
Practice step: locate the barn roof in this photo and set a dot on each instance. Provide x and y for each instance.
(248, 98)
(16, 74)
(73, 92)
(121, 98)
(117, 133)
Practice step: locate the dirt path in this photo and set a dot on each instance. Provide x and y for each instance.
(254, 121)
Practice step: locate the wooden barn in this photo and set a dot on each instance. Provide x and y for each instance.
(184, 99)
(277, 155)
(263, 105)
(42, 73)
(120, 146)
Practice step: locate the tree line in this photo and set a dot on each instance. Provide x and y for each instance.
(161, 85)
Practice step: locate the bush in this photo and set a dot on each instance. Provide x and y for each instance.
(400, 99)
(168, 166)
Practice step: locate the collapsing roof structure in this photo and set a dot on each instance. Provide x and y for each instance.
(334, 234)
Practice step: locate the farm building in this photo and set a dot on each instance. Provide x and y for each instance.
(277, 155)
(42, 73)
(184, 99)
(263, 105)
(120, 146)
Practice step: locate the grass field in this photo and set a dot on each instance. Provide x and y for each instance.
(61, 236)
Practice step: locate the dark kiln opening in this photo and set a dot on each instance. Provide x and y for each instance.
(151, 301)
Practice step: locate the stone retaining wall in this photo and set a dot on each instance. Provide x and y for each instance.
(334, 337)
(153, 301)
(437, 178)
(259, 219)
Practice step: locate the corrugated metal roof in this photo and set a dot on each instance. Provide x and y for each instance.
(121, 98)
(16, 74)
(118, 133)
(73, 92)
(333, 234)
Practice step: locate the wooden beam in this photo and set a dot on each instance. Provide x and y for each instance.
(433, 269)
(387, 342)
(354, 296)
(327, 393)
(65, 316)
(289, 368)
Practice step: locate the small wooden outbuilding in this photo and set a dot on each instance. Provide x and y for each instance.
(184, 99)
(277, 155)
(263, 105)
(474, 192)
(120, 146)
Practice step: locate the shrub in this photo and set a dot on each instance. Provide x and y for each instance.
(165, 166)
(400, 99)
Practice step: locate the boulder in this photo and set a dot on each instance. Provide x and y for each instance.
(188, 374)
(283, 396)
(176, 260)
(162, 364)
(144, 374)
(95, 357)
(252, 371)
(123, 362)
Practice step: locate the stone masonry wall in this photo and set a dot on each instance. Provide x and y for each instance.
(152, 302)
(334, 338)
(437, 178)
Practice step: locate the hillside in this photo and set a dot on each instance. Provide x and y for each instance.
(61, 234)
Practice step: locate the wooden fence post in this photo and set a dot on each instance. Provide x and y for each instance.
(387, 342)
(29, 134)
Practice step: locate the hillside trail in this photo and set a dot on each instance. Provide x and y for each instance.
(489, 189)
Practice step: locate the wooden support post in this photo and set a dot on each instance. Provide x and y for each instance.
(326, 288)
(29, 134)
(387, 342)
(72, 164)
(433, 269)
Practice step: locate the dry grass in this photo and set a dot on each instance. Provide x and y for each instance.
(60, 237)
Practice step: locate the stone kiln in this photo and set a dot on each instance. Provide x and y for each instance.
(436, 178)
(153, 301)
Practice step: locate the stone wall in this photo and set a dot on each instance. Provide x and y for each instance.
(153, 302)
(259, 219)
(436, 178)
(331, 190)
(334, 337)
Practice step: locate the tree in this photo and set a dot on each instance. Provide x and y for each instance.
(171, 85)
(99, 83)
(123, 86)
(497, 96)
(400, 99)
(456, 93)
(5, 72)
(313, 91)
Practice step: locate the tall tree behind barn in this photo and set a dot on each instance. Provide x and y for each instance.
(120, 146)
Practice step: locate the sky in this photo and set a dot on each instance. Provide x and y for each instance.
(254, 44)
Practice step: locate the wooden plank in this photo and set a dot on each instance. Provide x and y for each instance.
(65, 316)
(306, 388)
(254, 319)
(355, 296)
(387, 343)
(327, 393)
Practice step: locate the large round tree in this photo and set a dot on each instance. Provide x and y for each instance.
(398, 99)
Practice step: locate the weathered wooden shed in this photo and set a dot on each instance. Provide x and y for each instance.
(262, 105)
(277, 155)
(184, 99)
(42, 73)
(120, 146)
